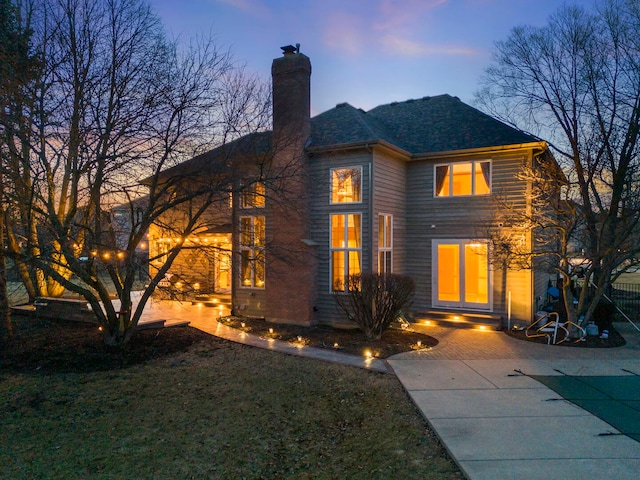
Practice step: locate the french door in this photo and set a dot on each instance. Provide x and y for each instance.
(461, 276)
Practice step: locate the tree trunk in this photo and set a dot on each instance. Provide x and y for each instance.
(6, 328)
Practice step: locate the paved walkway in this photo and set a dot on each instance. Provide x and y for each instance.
(498, 424)
(495, 422)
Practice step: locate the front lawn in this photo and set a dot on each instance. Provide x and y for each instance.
(212, 409)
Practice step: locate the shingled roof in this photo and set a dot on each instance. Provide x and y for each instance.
(430, 124)
(249, 146)
(427, 125)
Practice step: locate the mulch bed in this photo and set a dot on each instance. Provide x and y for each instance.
(351, 341)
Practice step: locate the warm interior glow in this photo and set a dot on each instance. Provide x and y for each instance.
(448, 273)
(346, 185)
(476, 273)
(461, 178)
(482, 187)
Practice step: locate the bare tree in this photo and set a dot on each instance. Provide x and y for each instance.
(374, 301)
(18, 67)
(116, 106)
(576, 81)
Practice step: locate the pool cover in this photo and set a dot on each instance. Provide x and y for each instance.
(614, 399)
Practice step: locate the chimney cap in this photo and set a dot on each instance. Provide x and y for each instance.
(290, 49)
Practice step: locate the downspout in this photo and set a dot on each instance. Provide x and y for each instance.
(371, 216)
(532, 293)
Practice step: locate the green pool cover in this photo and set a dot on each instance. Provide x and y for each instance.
(615, 399)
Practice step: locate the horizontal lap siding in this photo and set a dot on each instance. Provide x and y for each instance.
(430, 218)
(389, 186)
(321, 211)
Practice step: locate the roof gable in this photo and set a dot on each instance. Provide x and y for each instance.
(427, 125)
(344, 125)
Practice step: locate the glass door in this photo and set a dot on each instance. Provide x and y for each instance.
(461, 276)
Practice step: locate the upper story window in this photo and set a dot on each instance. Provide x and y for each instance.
(346, 185)
(253, 195)
(463, 178)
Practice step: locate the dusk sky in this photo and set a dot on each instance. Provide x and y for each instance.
(364, 52)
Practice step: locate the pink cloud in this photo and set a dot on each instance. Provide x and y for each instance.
(391, 15)
(253, 7)
(345, 32)
(409, 48)
(388, 26)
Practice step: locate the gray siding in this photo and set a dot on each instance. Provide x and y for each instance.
(389, 185)
(321, 209)
(468, 217)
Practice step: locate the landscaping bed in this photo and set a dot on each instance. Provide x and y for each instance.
(351, 341)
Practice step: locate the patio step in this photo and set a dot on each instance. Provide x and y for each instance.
(213, 300)
(480, 321)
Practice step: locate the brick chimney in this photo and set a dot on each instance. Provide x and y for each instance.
(290, 283)
(291, 80)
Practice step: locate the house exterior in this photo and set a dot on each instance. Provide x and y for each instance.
(410, 188)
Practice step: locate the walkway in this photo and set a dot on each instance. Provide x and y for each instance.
(495, 422)
(498, 424)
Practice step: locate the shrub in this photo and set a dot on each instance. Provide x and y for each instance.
(373, 301)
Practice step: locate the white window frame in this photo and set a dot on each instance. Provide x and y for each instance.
(255, 252)
(462, 304)
(473, 178)
(331, 202)
(387, 248)
(346, 249)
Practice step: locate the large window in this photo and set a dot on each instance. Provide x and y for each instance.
(463, 178)
(252, 240)
(385, 243)
(346, 249)
(346, 185)
(252, 195)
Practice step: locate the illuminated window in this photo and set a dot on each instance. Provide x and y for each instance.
(253, 195)
(252, 241)
(462, 278)
(385, 244)
(346, 249)
(161, 251)
(346, 185)
(466, 178)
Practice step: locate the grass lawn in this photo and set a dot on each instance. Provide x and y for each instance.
(179, 404)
